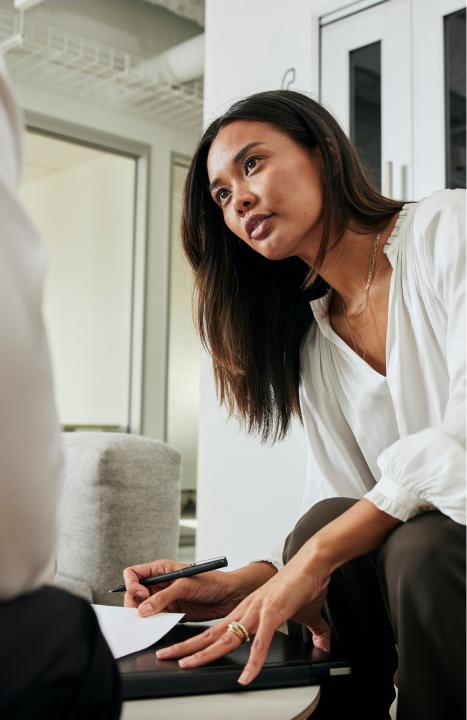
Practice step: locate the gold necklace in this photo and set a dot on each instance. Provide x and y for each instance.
(363, 304)
(363, 355)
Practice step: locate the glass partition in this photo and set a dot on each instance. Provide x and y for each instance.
(454, 89)
(82, 200)
(365, 106)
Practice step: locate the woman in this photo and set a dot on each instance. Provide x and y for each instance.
(279, 211)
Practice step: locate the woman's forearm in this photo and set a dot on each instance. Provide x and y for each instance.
(354, 533)
(358, 530)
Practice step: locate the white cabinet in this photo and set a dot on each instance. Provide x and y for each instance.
(384, 76)
(438, 63)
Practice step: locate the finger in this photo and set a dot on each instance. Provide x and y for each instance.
(145, 570)
(258, 653)
(130, 601)
(163, 598)
(321, 634)
(134, 589)
(199, 642)
(188, 647)
(227, 642)
(133, 574)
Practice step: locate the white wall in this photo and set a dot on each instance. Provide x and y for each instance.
(249, 495)
(250, 46)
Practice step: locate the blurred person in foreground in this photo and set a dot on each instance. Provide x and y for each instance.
(54, 661)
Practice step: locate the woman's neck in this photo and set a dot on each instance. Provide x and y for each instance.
(345, 267)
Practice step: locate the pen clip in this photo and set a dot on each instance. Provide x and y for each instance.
(203, 562)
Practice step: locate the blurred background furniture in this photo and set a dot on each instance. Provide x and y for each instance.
(120, 506)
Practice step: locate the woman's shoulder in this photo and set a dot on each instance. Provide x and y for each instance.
(438, 229)
(442, 211)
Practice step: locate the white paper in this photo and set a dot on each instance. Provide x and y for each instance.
(126, 632)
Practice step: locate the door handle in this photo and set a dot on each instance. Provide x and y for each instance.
(388, 179)
(404, 182)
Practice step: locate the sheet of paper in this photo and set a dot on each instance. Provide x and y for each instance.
(126, 632)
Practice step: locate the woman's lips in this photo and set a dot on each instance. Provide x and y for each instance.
(262, 229)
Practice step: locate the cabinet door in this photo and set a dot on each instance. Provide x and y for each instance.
(366, 84)
(439, 95)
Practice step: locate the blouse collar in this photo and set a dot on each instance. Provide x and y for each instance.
(320, 306)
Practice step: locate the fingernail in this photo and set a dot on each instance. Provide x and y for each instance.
(162, 653)
(184, 662)
(244, 678)
(145, 609)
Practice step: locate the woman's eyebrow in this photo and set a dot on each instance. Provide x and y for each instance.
(237, 159)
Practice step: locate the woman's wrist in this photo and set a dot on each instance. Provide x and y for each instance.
(354, 533)
(314, 558)
(249, 578)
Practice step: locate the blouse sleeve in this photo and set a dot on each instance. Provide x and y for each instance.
(426, 470)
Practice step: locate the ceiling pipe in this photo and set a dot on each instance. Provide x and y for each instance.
(26, 4)
(179, 64)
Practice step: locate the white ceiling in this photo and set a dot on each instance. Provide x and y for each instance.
(46, 155)
(189, 9)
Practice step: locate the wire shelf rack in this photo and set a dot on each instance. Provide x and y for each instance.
(58, 59)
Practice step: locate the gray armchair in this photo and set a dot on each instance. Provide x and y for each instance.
(120, 506)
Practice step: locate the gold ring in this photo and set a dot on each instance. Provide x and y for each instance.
(240, 631)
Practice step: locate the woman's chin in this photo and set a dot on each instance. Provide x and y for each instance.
(271, 252)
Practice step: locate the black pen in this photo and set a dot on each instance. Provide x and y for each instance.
(194, 569)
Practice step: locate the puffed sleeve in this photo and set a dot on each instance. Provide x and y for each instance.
(426, 470)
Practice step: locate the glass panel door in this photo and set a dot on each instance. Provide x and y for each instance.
(438, 95)
(454, 94)
(365, 83)
(365, 106)
(82, 200)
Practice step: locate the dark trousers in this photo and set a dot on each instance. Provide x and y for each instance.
(54, 661)
(402, 605)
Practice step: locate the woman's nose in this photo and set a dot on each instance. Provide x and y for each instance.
(243, 201)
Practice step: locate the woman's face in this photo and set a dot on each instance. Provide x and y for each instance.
(268, 188)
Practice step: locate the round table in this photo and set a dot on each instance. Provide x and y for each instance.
(281, 704)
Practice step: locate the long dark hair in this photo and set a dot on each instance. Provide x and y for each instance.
(252, 313)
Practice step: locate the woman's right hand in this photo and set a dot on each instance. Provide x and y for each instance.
(206, 596)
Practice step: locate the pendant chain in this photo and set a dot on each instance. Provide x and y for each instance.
(363, 304)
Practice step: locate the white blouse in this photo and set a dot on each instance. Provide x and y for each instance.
(399, 440)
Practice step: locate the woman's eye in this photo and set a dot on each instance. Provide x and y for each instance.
(222, 195)
(250, 164)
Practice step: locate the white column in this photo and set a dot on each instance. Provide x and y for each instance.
(249, 495)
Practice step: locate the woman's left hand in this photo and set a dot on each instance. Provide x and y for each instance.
(295, 592)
